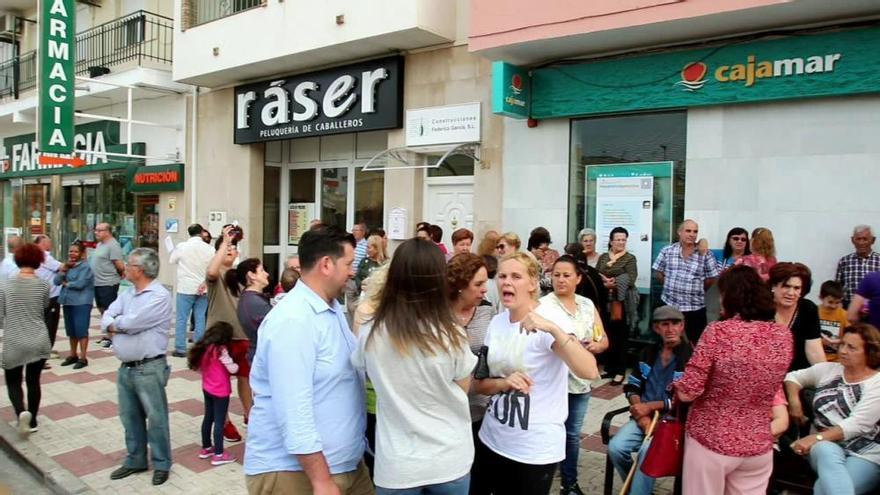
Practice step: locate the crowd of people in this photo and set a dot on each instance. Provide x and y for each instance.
(468, 369)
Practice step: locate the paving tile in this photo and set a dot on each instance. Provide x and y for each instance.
(87, 460)
(187, 456)
(593, 443)
(607, 391)
(81, 377)
(60, 411)
(7, 414)
(186, 374)
(47, 377)
(110, 376)
(192, 407)
(102, 410)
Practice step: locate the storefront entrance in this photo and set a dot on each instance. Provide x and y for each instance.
(318, 178)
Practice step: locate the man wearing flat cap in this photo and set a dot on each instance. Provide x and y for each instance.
(648, 389)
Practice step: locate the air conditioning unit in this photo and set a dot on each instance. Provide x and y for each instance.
(7, 25)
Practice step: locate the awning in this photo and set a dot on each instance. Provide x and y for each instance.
(404, 157)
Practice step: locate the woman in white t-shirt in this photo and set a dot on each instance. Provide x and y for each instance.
(523, 432)
(420, 364)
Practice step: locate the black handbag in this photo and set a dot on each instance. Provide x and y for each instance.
(481, 372)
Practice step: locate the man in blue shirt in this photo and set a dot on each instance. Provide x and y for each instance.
(138, 321)
(307, 426)
(648, 390)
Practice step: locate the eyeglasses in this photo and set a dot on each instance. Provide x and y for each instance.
(500, 247)
(738, 238)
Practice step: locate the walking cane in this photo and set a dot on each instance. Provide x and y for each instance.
(632, 471)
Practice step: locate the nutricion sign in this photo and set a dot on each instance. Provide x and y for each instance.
(360, 97)
(56, 59)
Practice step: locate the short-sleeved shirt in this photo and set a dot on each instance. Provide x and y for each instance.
(831, 325)
(870, 290)
(423, 434)
(582, 325)
(804, 328)
(102, 263)
(851, 270)
(223, 306)
(527, 428)
(684, 279)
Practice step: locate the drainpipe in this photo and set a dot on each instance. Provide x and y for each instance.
(194, 155)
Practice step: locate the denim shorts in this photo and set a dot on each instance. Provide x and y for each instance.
(105, 295)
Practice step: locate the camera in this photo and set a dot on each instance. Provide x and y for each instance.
(236, 231)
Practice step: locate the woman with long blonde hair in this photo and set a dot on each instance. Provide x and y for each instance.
(375, 258)
(763, 255)
(420, 363)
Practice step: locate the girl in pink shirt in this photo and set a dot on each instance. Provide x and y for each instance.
(211, 356)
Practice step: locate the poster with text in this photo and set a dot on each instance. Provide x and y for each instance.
(627, 202)
(299, 216)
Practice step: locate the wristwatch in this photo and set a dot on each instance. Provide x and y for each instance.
(819, 437)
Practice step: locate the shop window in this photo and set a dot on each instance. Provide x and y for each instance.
(369, 193)
(334, 192)
(272, 265)
(628, 149)
(301, 203)
(271, 205)
(453, 166)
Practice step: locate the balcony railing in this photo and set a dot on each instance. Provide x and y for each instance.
(201, 11)
(136, 38)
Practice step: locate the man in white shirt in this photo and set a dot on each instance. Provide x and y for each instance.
(192, 258)
(8, 268)
(47, 271)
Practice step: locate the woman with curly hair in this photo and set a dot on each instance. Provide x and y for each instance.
(790, 284)
(732, 378)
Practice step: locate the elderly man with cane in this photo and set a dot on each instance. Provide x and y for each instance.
(647, 390)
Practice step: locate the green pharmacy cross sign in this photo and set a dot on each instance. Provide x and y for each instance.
(57, 53)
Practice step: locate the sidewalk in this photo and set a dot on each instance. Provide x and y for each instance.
(80, 430)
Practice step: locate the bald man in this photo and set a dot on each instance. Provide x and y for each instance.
(686, 272)
(8, 268)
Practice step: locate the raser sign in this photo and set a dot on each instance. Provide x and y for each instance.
(360, 97)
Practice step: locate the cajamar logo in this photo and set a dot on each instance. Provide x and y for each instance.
(693, 75)
(516, 84)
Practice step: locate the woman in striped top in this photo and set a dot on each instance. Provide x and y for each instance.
(23, 299)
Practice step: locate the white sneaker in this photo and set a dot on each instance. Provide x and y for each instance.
(24, 423)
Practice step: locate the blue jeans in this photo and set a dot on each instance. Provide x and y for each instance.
(577, 409)
(454, 487)
(143, 409)
(626, 441)
(185, 304)
(841, 473)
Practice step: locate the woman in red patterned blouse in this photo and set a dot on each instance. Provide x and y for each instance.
(736, 369)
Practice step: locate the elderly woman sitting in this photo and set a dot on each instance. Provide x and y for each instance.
(844, 444)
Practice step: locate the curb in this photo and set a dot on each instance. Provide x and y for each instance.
(59, 480)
